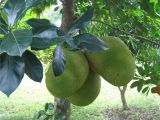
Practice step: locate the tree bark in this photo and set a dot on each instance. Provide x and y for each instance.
(67, 13)
(63, 106)
(123, 99)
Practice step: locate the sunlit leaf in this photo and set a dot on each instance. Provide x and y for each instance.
(16, 42)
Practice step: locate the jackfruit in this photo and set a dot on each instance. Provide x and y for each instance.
(73, 77)
(116, 65)
(88, 92)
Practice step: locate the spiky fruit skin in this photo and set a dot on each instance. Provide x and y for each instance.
(116, 65)
(73, 77)
(88, 92)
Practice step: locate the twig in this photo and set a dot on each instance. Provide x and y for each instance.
(136, 36)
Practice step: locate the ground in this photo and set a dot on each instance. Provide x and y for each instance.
(30, 97)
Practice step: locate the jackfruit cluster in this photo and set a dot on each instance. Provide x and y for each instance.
(80, 82)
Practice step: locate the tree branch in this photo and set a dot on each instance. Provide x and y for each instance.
(120, 89)
(136, 36)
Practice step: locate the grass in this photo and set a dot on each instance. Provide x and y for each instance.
(30, 97)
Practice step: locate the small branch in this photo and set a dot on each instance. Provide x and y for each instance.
(120, 89)
(124, 88)
(136, 36)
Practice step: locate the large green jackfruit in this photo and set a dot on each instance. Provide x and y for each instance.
(88, 92)
(73, 77)
(116, 65)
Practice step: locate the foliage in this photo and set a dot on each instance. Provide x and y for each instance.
(125, 19)
(48, 113)
(148, 71)
(46, 3)
(45, 35)
(108, 17)
(31, 97)
(16, 40)
(13, 48)
(137, 23)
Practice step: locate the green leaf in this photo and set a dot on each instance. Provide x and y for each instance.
(46, 106)
(16, 10)
(1, 36)
(16, 42)
(139, 87)
(59, 116)
(56, 8)
(145, 89)
(3, 26)
(33, 3)
(12, 72)
(33, 67)
(58, 61)
(13, 10)
(153, 90)
(134, 84)
(148, 7)
(36, 116)
(41, 113)
(45, 38)
(39, 24)
(89, 42)
(141, 71)
(44, 34)
(70, 42)
(49, 108)
(83, 21)
(4, 17)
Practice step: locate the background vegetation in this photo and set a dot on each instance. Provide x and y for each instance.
(30, 97)
(137, 23)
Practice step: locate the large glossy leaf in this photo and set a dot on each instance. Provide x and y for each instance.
(33, 67)
(3, 16)
(39, 23)
(16, 42)
(13, 9)
(83, 21)
(90, 42)
(58, 61)
(11, 73)
(33, 3)
(3, 26)
(44, 33)
(70, 42)
(44, 39)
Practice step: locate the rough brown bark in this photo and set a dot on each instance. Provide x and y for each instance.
(63, 106)
(67, 13)
(123, 99)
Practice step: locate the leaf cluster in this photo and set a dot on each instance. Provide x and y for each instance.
(16, 59)
(48, 113)
(148, 71)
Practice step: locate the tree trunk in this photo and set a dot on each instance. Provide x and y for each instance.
(123, 99)
(63, 106)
